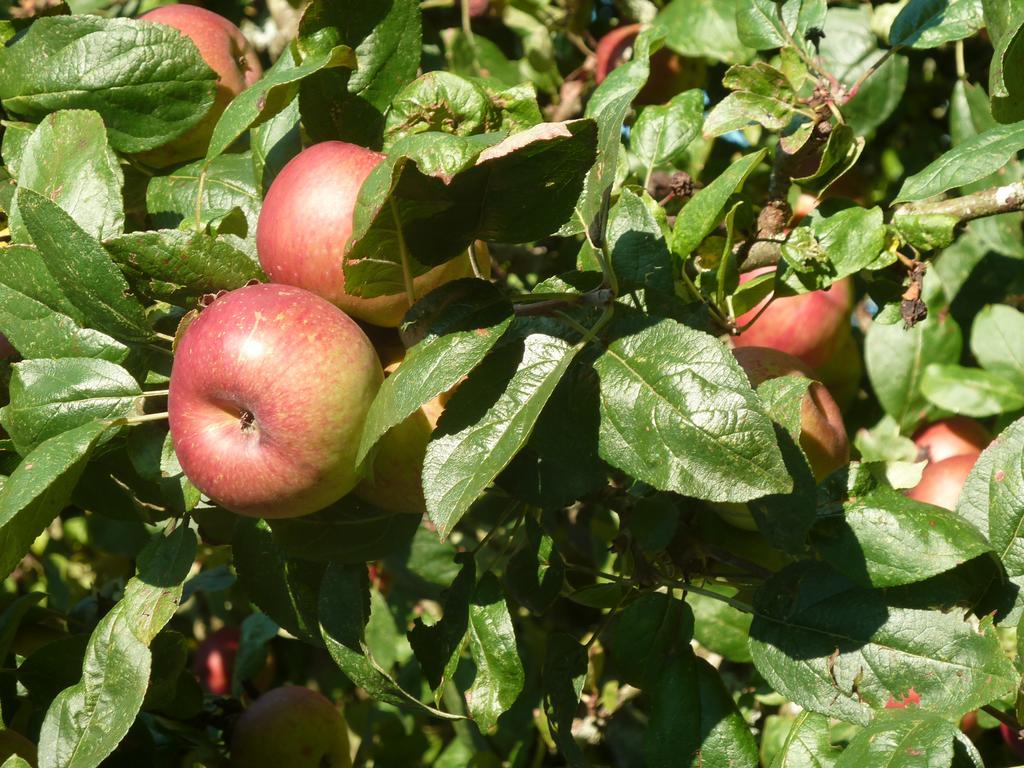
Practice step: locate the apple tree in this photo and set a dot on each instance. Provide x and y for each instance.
(511, 383)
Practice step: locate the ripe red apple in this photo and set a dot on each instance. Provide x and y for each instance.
(822, 432)
(955, 436)
(305, 224)
(670, 73)
(225, 49)
(942, 481)
(13, 743)
(291, 726)
(814, 327)
(268, 395)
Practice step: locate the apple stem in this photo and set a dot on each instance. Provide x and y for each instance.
(164, 337)
(472, 262)
(156, 393)
(403, 251)
(133, 420)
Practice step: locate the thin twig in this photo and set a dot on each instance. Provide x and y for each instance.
(868, 73)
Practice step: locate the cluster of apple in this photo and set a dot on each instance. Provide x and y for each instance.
(271, 383)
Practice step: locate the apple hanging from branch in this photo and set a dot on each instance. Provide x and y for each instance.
(268, 395)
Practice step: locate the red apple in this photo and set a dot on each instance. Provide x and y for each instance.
(306, 222)
(942, 481)
(1012, 740)
(13, 743)
(291, 726)
(269, 391)
(225, 49)
(477, 8)
(670, 73)
(814, 327)
(955, 436)
(215, 658)
(822, 432)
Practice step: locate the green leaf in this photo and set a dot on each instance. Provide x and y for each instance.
(480, 57)
(462, 320)
(844, 651)
(349, 531)
(662, 133)
(40, 487)
(997, 341)
(704, 211)
(83, 270)
(718, 626)
(975, 158)
(447, 191)
(284, 587)
(677, 413)
(174, 265)
(646, 634)
(760, 27)
(274, 143)
(148, 81)
(842, 245)
(87, 721)
(344, 609)
(608, 106)
(906, 738)
(808, 744)
(387, 40)
(673, 732)
(438, 646)
(639, 252)
(971, 391)
(174, 200)
(761, 94)
(48, 397)
(885, 539)
(271, 94)
(67, 160)
(15, 761)
(703, 28)
(895, 361)
(492, 645)
(535, 574)
(469, 448)
(930, 23)
(725, 737)
(1003, 83)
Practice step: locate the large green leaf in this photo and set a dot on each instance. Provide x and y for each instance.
(808, 744)
(885, 539)
(896, 357)
(678, 413)
(40, 487)
(997, 341)
(930, 23)
(840, 245)
(973, 159)
(971, 391)
(48, 397)
(765, 24)
(438, 647)
(147, 81)
(87, 721)
(1007, 59)
(646, 634)
(703, 28)
(492, 646)
(83, 270)
(663, 132)
(446, 191)
(488, 420)
(843, 651)
(67, 159)
(908, 738)
(462, 321)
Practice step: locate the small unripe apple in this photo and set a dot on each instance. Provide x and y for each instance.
(942, 481)
(13, 743)
(670, 73)
(396, 482)
(225, 49)
(822, 432)
(268, 394)
(291, 726)
(954, 436)
(305, 224)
